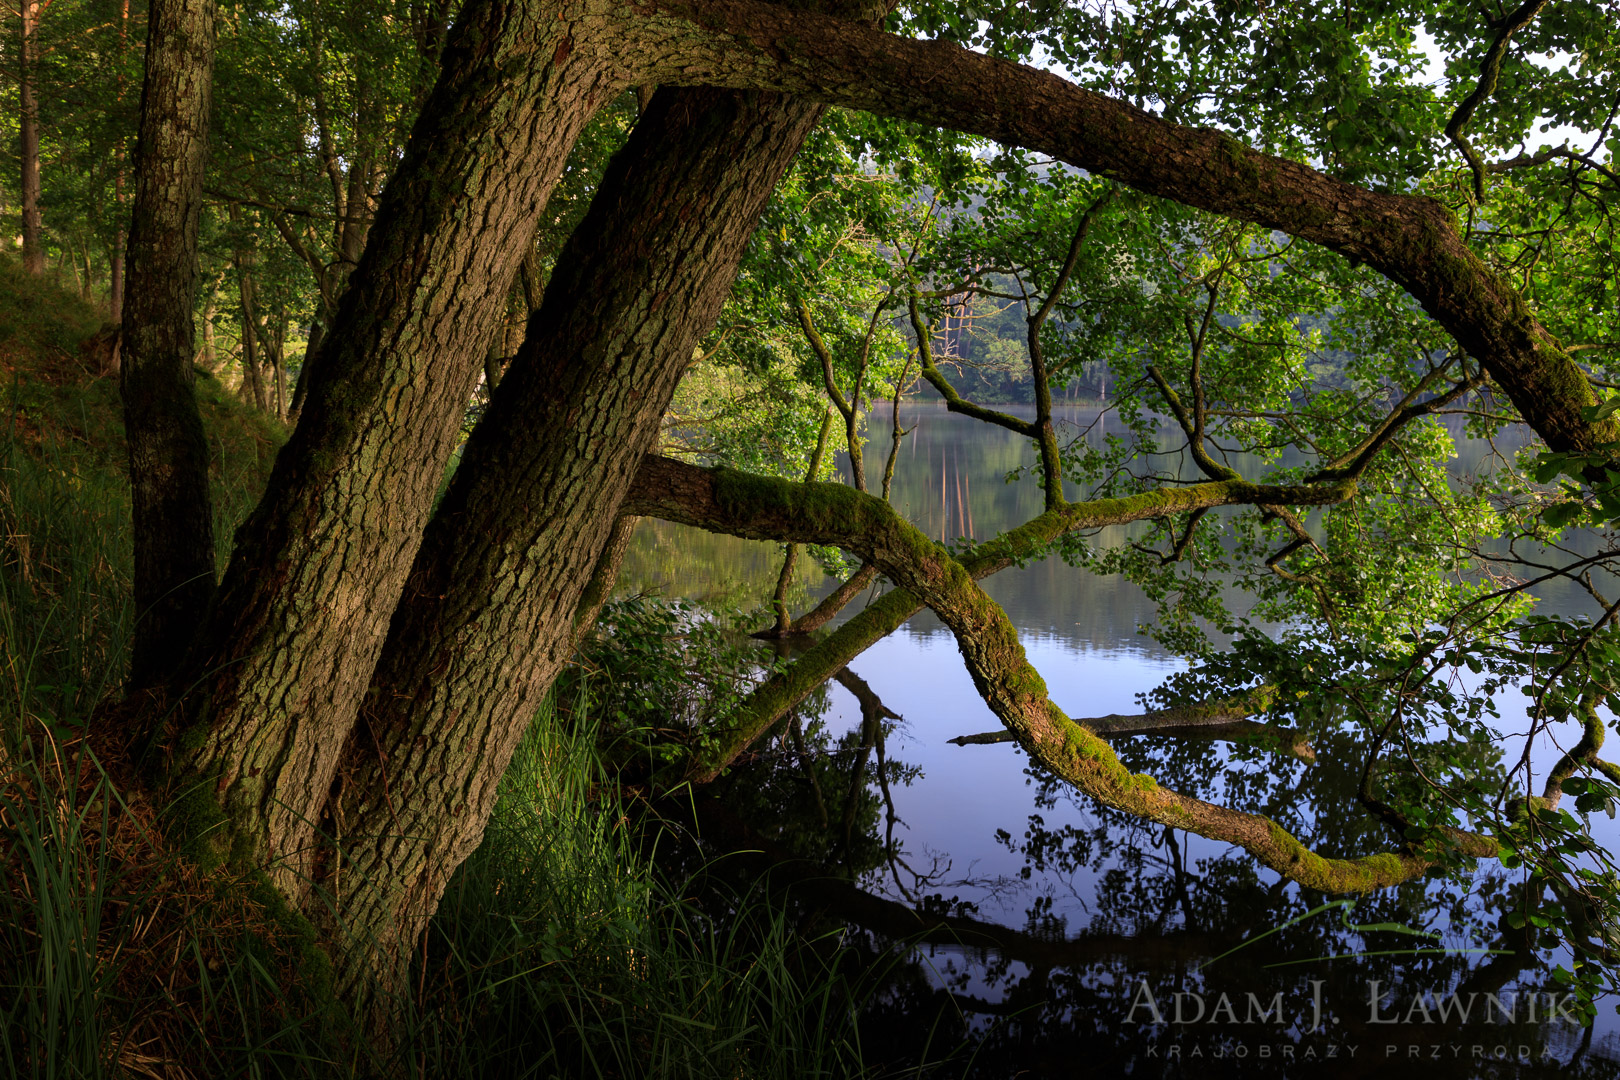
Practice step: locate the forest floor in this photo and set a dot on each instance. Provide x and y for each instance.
(559, 949)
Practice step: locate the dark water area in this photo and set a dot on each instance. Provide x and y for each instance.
(1091, 943)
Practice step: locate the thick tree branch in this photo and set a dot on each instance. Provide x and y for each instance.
(1412, 240)
(781, 691)
(1355, 461)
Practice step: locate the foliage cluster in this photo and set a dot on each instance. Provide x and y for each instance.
(560, 948)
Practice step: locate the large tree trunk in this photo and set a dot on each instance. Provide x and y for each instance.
(638, 283)
(319, 565)
(168, 450)
(28, 131)
(322, 565)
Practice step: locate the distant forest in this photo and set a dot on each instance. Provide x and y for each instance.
(986, 356)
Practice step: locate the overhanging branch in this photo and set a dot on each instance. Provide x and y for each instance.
(757, 507)
(1412, 240)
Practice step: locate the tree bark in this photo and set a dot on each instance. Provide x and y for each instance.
(28, 131)
(319, 566)
(168, 449)
(637, 284)
(333, 566)
(307, 599)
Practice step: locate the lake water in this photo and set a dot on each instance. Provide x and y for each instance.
(1118, 917)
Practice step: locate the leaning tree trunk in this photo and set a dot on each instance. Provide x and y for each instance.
(319, 565)
(168, 449)
(489, 609)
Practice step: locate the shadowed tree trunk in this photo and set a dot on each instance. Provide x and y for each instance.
(168, 450)
(320, 564)
(639, 282)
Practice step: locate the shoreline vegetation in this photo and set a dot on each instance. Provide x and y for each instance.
(345, 350)
(561, 947)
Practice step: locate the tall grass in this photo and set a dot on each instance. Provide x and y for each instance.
(560, 950)
(64, 579)
(116, 958)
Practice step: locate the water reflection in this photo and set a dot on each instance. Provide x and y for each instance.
(1100, 914)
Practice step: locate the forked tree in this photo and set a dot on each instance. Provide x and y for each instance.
(358, 680)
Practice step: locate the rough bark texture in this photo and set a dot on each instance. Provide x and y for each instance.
(319, 565)
(168, 449)
(489, 609)
(33, 229)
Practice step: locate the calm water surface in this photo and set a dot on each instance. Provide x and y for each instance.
(1119, 917)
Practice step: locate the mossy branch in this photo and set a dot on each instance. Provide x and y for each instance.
(954, 401)
(783, 690)
(757, 507)
(830, 606)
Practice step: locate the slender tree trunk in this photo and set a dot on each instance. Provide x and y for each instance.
(115, 291)
(280, 339)
(252, 377)
(168, 450)
(115, 288)
(637, 284)
(210, 360)
(312, 352)
(28, 129)
(84, 260)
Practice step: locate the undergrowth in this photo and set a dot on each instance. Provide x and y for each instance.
(559, 949)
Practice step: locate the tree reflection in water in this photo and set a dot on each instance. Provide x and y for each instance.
(1269, 979)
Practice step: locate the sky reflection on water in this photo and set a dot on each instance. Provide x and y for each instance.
(1122, 878)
